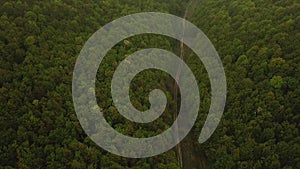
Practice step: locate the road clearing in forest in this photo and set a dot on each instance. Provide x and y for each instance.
(188, 148)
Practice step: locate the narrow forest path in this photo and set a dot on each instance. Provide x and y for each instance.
(179, 152)
(196, 162)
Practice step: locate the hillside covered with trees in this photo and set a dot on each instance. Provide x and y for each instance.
(257, 40)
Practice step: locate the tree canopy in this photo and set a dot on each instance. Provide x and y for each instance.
(258, 43)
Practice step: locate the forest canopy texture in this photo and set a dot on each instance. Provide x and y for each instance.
(258, 42)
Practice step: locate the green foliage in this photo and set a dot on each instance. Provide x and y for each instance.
(40, 42)
(258, 42)
(277, 82)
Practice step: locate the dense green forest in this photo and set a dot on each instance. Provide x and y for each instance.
(258, 42)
